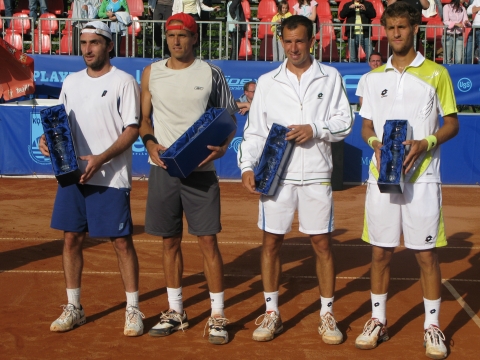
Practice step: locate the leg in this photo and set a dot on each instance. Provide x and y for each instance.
(212, 262)
(325, 267)
(353, 47)
(173, 261)
(32, 6)
(430, 276)
(270, 261)
(380, 270)
(447, 54)
(469, 51)
(127, 262)
(43, 6)
(459, 50)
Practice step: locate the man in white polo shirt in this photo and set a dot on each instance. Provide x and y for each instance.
(418, 90)
(103, 107)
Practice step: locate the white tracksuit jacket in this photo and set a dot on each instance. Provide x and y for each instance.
(324, 106)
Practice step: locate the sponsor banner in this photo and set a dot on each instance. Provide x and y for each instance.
(20, 130)
(50, 71)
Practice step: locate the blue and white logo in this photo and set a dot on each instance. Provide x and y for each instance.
(36, 131)
(464, 84)
(138, 148)
(235, 144)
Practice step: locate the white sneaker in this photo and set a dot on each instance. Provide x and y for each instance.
(170, 321)
(434, 338)
(217, 331)
(133, 322)
(373, 334)
(270, 326)
(329, 330)
(71, 317)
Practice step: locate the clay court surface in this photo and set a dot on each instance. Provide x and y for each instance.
(32, 285)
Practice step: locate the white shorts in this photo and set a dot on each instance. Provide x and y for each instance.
(313, 202)
(417, 213)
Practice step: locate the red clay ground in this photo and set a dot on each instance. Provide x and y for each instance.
(32, 286)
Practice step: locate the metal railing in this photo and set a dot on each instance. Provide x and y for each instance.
(146, 39)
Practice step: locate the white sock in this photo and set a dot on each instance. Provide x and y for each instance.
(379, 307)
(132, 299)
(216, 300)
(271, 300)
(73, 296)
(432, 311)
(326, 305)
(175, 299)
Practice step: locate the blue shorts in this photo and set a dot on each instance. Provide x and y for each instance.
(99, 210)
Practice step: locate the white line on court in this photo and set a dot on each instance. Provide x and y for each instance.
(227, 243)
(462, 302)
(227, 275)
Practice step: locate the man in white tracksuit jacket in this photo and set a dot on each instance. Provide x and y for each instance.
(309, 98)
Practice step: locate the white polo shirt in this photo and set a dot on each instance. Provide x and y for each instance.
(419, 94)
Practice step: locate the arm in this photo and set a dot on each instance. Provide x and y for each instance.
(95, 162)
(368, 131)
(332, 129)
(370, 10)
(243, 107)
(146, 127)
(208, 8)
(313, 15)
(448, 131)
(425, 4)
(232, 9)
(347, 9)
(102, 12)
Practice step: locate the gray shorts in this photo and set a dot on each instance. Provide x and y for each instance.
(198, 196)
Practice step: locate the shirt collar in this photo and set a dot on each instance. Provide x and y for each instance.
(419, 59)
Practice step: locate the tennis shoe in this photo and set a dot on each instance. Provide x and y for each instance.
(433, 342)
(71, 317)
(329, 330)
(270, 325)
(170, 321)
(217, 330)
(133, 322)
(374, 333)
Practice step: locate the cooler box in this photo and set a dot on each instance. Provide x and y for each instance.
(273, 161)
(60, 145)
(391, 176)
(190, 149)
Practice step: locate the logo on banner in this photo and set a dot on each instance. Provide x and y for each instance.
(138, 148)
(235, 143)
(237, 83)
(36, 131)
(464, 84)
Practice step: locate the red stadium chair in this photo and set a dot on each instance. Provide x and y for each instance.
(361, 54)
(55, 7)
(291, 4)
(378, 31)
(48, 23)
(1, 23)
(132, 47)
(20, 23)
(14, 39)
(135, 28)
(434, 34)
(2, 6)
(340, 7)
(264, 28)
(266, 8)
(379, 8)
(66, 43)
(136, 8)
(328, 51)
(245, 50)
(323, 9)
(246, 9)
(42, 42)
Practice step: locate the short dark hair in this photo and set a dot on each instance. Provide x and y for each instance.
(401, 9)
(281, 3)
(374, 53)
(247, 84)
(292, 22)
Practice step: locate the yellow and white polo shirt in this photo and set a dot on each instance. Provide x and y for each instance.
(419, 94)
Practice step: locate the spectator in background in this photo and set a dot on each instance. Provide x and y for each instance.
(374, 61)
(237, 31)
(8, 11)
(192, 8)
(283, 13)
(82, 9)
(307, 8)
(456, 19)
(358, 12)
(417, 4)
(474, 8)
(162, 10)
(117, 12)
(32, 5)
(244, 101)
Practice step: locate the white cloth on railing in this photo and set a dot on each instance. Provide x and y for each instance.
(123, 20)
(91, 13)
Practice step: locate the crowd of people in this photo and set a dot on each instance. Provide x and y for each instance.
(175, 92)
(455, 16)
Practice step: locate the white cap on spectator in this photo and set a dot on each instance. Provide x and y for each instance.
(99, 28)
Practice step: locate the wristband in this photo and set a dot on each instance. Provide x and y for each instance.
(432, 142)
(371, 139)
(148, 137)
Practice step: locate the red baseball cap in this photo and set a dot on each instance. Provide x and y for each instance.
(187, 20)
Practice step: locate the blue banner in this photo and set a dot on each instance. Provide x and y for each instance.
(50, 71)
(20, 130)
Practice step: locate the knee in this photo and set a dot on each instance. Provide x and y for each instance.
(322, 243)
(427, 259)
(381, 256)
(122, 244)
(171, 244)
(73, 241)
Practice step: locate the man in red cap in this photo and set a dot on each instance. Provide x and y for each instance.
(178, 90)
